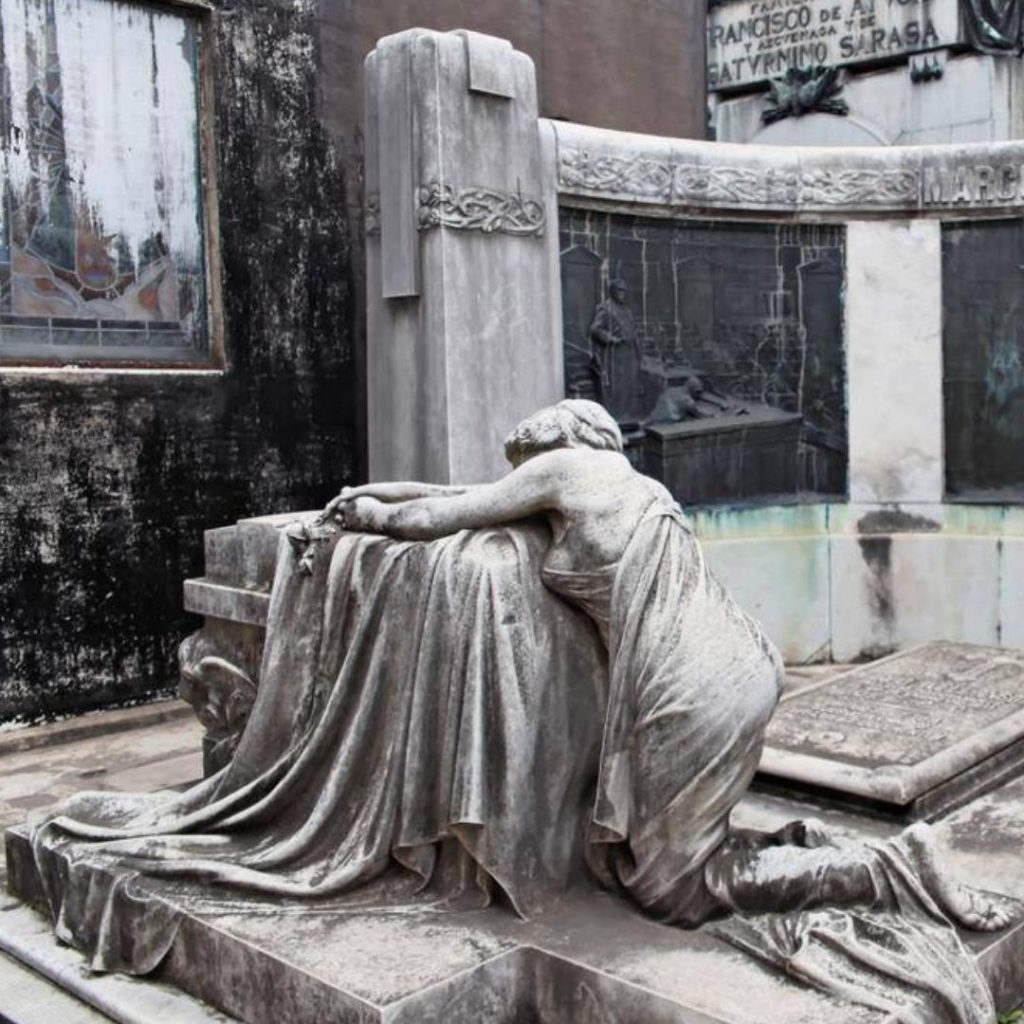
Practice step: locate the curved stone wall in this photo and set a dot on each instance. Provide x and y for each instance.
(897, 564)
(473, 301)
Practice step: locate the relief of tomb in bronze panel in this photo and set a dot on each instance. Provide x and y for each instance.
(983, 359)
(718, 347)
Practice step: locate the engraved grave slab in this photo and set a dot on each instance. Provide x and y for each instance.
(913, 735)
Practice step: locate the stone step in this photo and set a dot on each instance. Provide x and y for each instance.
(29, 998)
(52, 983)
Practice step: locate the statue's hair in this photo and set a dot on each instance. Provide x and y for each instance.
(572, 423)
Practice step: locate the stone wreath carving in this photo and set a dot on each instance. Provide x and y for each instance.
(680, 184)
(805, 91)
(479, 209)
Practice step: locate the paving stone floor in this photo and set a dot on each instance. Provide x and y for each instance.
(152, 755)
(137, 749)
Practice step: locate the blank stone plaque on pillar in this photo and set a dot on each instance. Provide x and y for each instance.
(912, 736)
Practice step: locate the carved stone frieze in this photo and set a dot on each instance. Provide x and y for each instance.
(475, 208)
(686, 184)
(859, 187)
(694, 183)
(636, 175)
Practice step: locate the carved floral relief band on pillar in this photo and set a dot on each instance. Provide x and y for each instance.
(469, 208)
(480, 163)
(476, 208)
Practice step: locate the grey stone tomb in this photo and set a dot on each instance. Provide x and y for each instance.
(913, 735)
(482, 751)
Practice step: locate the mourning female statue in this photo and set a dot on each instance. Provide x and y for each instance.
(514, 689)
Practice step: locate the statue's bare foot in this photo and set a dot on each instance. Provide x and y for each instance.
(809, 833)
(979, 911)
(966, 906)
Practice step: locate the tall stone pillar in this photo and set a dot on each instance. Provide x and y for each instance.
(462, 249)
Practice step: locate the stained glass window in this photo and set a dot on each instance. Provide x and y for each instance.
(102, 253)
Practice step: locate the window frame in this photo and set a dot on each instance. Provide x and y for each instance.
(213, 361)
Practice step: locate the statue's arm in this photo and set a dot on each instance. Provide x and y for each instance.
(390, 491)
(600, 326)
(535, 487)
(404, 490)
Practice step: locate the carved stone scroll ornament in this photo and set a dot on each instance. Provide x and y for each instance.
(371, 213)
(721, 184)
(479, 209)
(637, 175)
(841, 188)
(222, 696)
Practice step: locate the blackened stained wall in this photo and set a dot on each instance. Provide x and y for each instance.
(107, 481)
(983, 360)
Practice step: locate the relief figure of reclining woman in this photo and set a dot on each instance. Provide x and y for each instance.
(519, 687)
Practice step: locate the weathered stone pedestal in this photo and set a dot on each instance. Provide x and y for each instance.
(590, 960)
(909, 737)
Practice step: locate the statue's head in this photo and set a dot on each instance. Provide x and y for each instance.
(617, 289)
(573, 423)
(694, 386)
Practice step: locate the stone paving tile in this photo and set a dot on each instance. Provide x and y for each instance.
(159, 755)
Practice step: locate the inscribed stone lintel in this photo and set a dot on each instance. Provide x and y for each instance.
(914, 734)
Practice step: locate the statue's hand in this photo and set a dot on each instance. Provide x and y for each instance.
(332, 510)
(363, 514)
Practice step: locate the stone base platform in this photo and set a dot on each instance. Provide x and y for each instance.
(593, 959)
